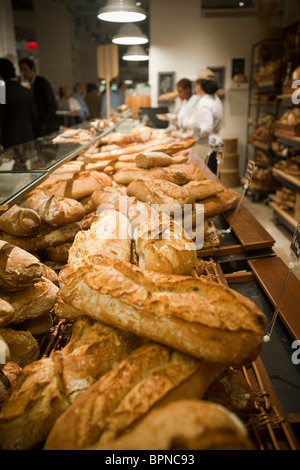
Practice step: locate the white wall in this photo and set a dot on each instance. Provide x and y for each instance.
(7, 32)
(183, 42)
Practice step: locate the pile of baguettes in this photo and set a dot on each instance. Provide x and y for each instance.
(154, 358)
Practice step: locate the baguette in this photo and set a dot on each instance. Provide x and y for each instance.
(200, 190)
(109, 235)
(126, 394)
(20, 222)
(190, 169)
(84, 185)
(220, 203)
(32, 301)
(153, 159)
(184, 425)
(163, 246)
(55, 211)
(18, 268)
(195, 316)
(47, 387)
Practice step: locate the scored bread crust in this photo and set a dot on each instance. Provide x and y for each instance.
(195, 316)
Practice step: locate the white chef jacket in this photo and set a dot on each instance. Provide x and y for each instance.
(208, 117)
(186, 112)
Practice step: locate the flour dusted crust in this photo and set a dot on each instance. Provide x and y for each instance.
(195, 316)
(151, 376)
(203, 189)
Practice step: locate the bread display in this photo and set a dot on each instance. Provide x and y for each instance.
(153, 159)
(200, 190)
(151, 376)
(184, 425)
(20, 222)
(195, 316)
(221, 203)
(7, 313)
(47, 387)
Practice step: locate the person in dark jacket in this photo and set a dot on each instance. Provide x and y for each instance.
(44, 98)
(18, 115)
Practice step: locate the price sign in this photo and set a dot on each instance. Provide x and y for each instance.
(295, 246)
(220, 152)
(249, 173)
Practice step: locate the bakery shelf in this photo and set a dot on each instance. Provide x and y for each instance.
(284, 217)
(288, 141)
(290, 181)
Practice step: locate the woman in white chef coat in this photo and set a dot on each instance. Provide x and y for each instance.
(208, 114)
(188, 104)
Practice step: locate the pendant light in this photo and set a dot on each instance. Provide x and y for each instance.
(135, 53)
(121, 11)
(130, 34)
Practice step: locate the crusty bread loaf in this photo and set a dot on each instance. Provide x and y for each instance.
(23, 347)
(195, 316)
(59, 253)
(83, 185)
(50, 274)
(18, 268)
(8, 377)
(191, 170)
(182, 426)
(110, 235)
(204, 189)
(20, 222)
(159, 192)
(110, 198)
(37, 326)
(49, 237)
(55, 211)
(6, 313)
(47, 387)
(163, 246)
(125, 176)
(220, 203)
(32, 301)
(153, 159)
(126, 393)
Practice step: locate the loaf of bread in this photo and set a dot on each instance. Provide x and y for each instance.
(18, 268)
(196, 316)
(59, 253)
(161, 193)
(153, 159)
(20, 222)
(110, 198)
(32, 301)
(126, 176)
(55, 211)
(163, 246)
(83, 185)
(220, 203)
(110, 235)
(8, 377)
(200, 190)
(48, 386)
(37, 326)
(150, 376)
(190, 169)
(185, 425)
(23, 347)
(7, 313)
(49, 237)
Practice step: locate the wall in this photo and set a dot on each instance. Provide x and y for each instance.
(184, 43)
(7, 32)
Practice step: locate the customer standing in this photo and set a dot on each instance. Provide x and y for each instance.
(78, 94)
(209, 113)
(44, 98)
(93, 100)
(18, 115)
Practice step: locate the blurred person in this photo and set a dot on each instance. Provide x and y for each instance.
(188, 103)
(121, 92)
(66, 102)
(18, 116)
(78, 94)
(93, 100)
(43, 96)
(114, 102)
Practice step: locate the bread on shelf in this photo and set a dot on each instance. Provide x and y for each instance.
(20, 222)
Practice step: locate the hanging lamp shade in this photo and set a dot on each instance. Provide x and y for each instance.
(135, 53)
(121, 11)
(130, 34)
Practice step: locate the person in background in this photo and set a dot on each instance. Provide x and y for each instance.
(18, 115)
(66, 102)
(44, 99)
(188, 104)
(93, 100)
(114, 102)
(209, 113)
(78, 94)
(121, 92)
